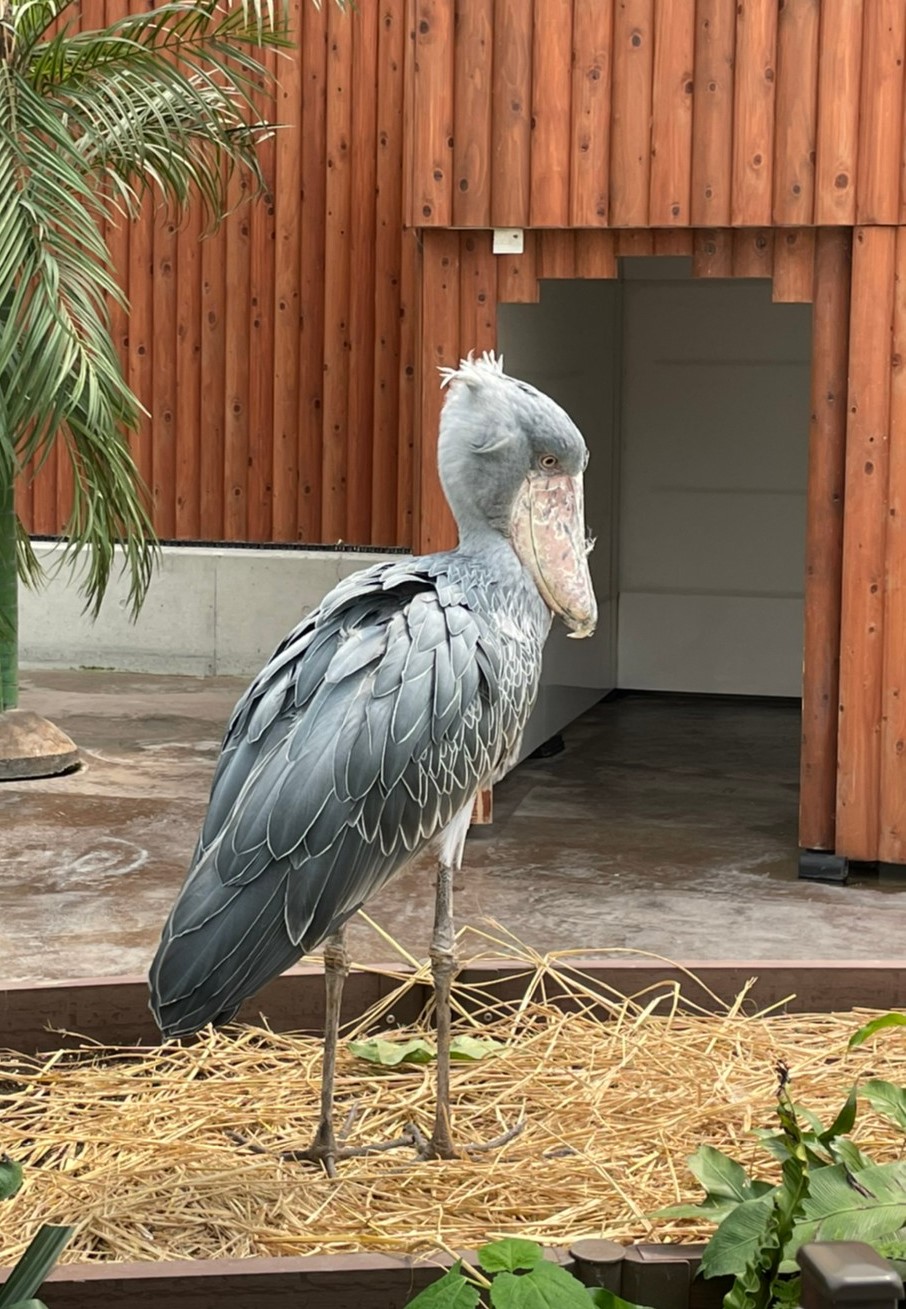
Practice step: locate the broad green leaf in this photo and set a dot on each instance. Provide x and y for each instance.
(547, 1286)
(773, 1142)
(391, 1053)
(738, 1238)
(474, 1048)
(712, 1208)
(876, 1025)
(40, 1256)
(10, 1177)
(451, 1291)
(887, 1099)
(509, 1255)
(723, 1177)
(838, 1210)
(845, 1119)
(847, 1152)
(601, 1298)
(28, 1304)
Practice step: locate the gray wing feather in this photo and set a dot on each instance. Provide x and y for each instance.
(372, 725)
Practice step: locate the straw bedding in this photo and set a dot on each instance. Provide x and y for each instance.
(138, 1148)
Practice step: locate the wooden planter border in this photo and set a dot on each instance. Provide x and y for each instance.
(114, 1011)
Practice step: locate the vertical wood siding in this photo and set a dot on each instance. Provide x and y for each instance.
(655, 113)
(277, 358)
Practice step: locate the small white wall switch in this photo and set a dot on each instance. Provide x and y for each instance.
(508, 240)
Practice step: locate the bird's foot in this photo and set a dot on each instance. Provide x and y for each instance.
(327, 1149)
(440, 1145)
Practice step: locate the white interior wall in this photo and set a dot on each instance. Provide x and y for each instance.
(566, 345)
(714, 446)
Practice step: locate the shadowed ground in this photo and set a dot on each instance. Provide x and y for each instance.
(667, 824)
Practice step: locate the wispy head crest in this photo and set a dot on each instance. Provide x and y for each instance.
(472, 370)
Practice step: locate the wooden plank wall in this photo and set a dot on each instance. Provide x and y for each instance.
(463, 281)
(658, 113)
(277, 359)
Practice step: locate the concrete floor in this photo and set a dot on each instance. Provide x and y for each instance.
(666, 825)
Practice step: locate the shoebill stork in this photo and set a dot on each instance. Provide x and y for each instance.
(375, 723)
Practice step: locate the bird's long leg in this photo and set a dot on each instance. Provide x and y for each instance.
(323, 1148)
(443, 967)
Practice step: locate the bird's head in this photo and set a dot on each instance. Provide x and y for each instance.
(511, 463)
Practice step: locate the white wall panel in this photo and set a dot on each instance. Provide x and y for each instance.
(714, 440)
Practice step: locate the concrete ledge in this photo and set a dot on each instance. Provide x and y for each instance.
(208, 611)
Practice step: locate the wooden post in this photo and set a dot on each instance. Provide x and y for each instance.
(839, 72)
(862, 615)
(824, 540)
(434, 527)
(892, 845)
(630, 141)
(590, 110)
(671, 114)
(512, 111)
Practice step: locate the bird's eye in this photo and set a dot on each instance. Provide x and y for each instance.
(549, 461)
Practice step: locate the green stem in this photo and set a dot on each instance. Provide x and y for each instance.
(9, 614)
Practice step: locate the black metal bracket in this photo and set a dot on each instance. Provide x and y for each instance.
(823, 866)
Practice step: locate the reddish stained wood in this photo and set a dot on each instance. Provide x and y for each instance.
(550, 141)
(188, 474)
(440, 348)
(824, 540)
(483, 808)
(473, 85)
(44, 498)
(634, 243)
(839, 68)
(388, 277)
(361, 254)
(881, 116)
(557, 254)
(794, 265)
(212, 385)
(316, 164)
(432, 127)
(862, 619)
(238, 365)
(410, 378)
(671, 115)
(163, 395)
(753, 112)
(287, 276)
(712, 113)
(712, 252)
(262, 272)
(797, 112)
(753, 252)
(140, 338)
(595, 254)
(673, 241)
(517, 275)
(512, 95)
(589, 149)
(478, 293)
(892, 800)
(630, 142)
(336, 274)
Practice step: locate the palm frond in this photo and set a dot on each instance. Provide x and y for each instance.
(164, 98)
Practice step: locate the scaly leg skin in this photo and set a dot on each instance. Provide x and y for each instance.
(323, 1148)
(443, 966)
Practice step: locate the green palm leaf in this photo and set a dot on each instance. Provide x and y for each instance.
(164, 100)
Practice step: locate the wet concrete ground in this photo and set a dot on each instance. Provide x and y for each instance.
(667, 825)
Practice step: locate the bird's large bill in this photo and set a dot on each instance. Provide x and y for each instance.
(548, 534)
